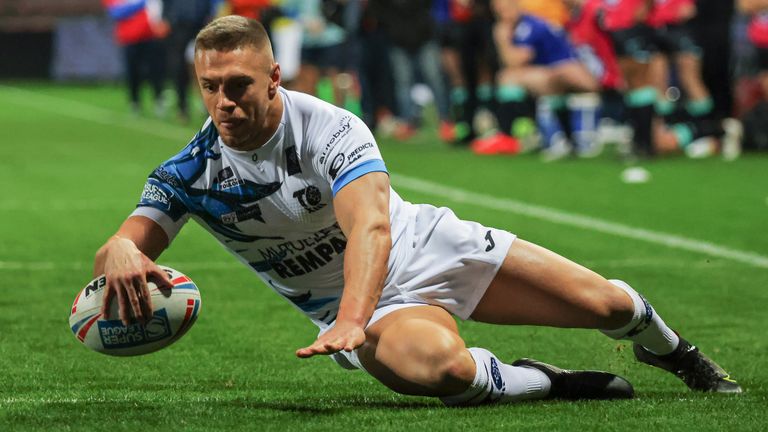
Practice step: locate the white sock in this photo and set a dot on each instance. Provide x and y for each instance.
(646, 327)
(496, 382)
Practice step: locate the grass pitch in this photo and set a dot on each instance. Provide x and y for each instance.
(73, 161)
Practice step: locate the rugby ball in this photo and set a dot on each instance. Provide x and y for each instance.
(174, 312)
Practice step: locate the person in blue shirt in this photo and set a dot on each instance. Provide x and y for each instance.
(537, 59)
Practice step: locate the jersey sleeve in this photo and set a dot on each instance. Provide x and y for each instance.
(162, 201)
(347, 152)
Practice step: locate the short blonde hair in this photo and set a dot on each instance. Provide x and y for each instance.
(231, 32)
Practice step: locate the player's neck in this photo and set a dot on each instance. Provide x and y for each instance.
(272, 122)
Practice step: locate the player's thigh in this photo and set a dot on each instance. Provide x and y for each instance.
(574, 76)
(539, 80)
(418, 351)
(536, 286)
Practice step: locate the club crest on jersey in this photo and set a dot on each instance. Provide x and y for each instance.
(309, 198)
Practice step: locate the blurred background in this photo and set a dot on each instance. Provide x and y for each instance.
(627, 135)
(404, 66)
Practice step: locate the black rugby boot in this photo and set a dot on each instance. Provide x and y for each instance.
(575, 384)
(696, 370)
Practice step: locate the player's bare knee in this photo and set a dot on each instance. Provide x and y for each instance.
(431, 354)
(619, 307)
(610, 305)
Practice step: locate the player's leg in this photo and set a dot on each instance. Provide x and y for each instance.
(133, 75)
(535, 286)
(578, 112)
(574, 77)
(633, 48)
(418, 351)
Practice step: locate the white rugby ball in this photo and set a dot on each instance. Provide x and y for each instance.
(174, 312)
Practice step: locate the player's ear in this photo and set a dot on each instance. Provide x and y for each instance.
(274, 77)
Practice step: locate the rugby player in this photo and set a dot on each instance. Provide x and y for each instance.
(297, 190)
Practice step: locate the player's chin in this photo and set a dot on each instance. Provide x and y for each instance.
(230, 140)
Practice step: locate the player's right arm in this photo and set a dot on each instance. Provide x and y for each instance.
(127, 260)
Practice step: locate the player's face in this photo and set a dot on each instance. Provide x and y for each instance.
(239, 89)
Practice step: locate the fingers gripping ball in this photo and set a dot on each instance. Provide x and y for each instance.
(174, 312)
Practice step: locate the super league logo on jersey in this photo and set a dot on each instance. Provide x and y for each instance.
(309, 198)
(156, 195)
(336, 165)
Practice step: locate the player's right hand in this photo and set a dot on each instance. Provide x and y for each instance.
(127, 271)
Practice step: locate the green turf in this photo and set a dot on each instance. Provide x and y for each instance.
(73, 161)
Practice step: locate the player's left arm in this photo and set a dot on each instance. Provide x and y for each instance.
(362, 210)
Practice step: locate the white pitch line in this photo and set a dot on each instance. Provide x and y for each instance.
(83, 265)
(99, 400)
(576, 220)
(88, 112)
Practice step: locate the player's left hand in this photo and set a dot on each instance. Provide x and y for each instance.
(342, 337)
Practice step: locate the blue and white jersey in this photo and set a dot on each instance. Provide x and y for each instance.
(273, 207)
(550, 45)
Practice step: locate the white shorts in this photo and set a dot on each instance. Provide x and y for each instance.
(450, 264)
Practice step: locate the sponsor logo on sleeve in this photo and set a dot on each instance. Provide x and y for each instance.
(336, 165)
(345, 125)
(156, 195)
(167, 177)
(359, 152)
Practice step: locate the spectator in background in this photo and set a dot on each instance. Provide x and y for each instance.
(410, 28)
(139, 29)
(264, 11)
(595, 51)
(537, 58)
(696, 130)
(375, 73)
(469, 60)
(184, 19)
(626, 22)
(322, 52)
(758, 35)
